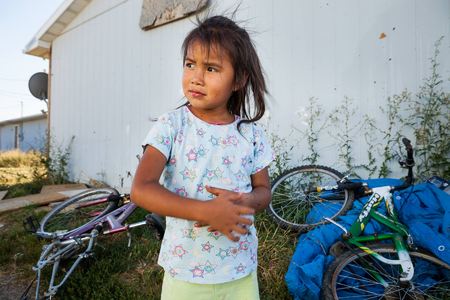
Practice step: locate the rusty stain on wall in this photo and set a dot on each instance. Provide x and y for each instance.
(158, 12)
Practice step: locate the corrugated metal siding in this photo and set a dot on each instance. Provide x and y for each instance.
(31, 135)
(110, 78)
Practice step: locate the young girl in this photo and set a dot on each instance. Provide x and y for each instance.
(214, 160)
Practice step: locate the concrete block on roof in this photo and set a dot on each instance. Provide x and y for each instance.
(158, 12)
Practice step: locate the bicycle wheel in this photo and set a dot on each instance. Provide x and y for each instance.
(351, 276)
(296, 204)
(77, 211)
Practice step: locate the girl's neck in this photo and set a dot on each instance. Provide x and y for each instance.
(212, 117)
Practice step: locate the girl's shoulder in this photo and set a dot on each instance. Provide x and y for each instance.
(252, 131)
(174, 117)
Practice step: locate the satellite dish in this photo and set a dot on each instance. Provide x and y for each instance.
(38, 84)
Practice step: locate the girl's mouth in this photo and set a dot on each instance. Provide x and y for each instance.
(196, 94)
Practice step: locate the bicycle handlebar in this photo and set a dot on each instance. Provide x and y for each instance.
(407, 143)
(409, 152)
(408, 163)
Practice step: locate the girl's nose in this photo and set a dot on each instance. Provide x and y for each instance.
(197, 77)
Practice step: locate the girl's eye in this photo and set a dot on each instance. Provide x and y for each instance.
(212, 69)
(189, 65)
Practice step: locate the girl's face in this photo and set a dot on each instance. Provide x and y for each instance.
(208, 82)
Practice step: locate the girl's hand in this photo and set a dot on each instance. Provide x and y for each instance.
(224, 213)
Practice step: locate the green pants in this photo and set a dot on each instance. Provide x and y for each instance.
(242, 289)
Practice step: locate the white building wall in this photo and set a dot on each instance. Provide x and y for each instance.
(110, 78)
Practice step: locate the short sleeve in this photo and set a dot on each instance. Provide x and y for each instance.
(161, 136)
(263, 153)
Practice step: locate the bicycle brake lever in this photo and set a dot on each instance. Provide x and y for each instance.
(337, 224)
(343, 179)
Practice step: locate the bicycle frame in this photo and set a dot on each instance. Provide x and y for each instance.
(114, 220)
(398, 236)
(66, 243)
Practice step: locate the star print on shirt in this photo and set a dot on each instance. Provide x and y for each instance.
(244, 245)
(192, 155)
(181, 192)
(190, 234)
(223, 253)
(208, 268)
(215, 234)
(197, 272)
(240, 269)
(188, 174)
(179, 251)
(207, 247)
(172, 272)
(226, 161)
(201, 132)
(233, 251)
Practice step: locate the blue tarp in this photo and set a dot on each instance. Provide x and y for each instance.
(424, 208)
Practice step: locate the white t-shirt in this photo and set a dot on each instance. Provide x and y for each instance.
(199, 154)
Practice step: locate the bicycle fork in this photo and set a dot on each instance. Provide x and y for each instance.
(48, 258)
(404, 260)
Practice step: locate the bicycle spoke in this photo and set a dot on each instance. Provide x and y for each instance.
(360, 277)
(365, 291)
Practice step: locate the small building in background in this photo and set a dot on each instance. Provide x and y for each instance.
(26, 133)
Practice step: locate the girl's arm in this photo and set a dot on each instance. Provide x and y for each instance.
(222, 213)
(258, 199)
(261, 195)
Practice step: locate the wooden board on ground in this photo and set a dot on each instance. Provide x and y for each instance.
(46, 189)
(3, 194)
(36, 199)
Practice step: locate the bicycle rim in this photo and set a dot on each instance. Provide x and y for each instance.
(349, 277)
(77, 211)
(295, 206)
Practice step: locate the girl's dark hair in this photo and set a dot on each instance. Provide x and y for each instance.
(226, 35)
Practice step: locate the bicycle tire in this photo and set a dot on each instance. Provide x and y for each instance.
(347, 278)
(293, 208)
(77, 211)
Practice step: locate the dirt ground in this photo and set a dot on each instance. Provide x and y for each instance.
(11, 288)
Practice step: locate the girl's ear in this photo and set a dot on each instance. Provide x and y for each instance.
(241, 83)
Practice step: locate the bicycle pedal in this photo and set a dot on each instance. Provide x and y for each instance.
(31, 224)
(87, 254)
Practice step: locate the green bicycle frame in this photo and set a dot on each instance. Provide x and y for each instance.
(398, 235)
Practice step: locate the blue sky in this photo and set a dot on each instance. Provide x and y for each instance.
(20, 21)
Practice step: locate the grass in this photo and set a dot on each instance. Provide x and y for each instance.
(116, 271)
(21, 173)
(17, 158)
(119, 272)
